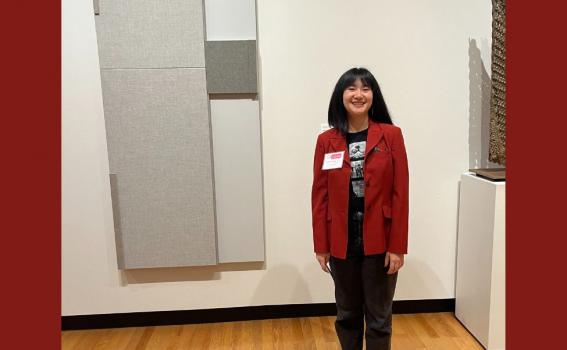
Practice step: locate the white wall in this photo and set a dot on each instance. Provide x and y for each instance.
(419, 52)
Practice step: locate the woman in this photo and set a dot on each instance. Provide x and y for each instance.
(360, 208)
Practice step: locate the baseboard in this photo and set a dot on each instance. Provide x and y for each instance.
(423, 306)
(246, 313)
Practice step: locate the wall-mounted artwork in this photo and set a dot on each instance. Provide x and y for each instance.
(181, 195)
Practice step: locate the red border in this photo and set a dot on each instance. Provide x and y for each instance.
(31, 163)
(535, 198)
(31, 175)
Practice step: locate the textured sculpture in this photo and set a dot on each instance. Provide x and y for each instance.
(497, 148)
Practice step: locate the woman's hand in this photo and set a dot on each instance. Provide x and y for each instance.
(323, 259)
(396, 262)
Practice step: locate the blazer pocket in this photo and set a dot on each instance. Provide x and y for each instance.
(387, 211)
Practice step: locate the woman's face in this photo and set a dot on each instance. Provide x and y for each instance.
(357, 98)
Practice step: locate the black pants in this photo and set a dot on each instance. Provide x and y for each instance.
(363, 290)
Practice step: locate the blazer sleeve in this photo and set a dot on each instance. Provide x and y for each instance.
(398, 242)
(319, 201)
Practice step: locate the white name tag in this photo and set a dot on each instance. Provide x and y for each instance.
(333, 160)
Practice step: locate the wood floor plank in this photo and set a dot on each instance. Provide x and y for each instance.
(201, 337)
(118, 338)
(268, 334)
(187, 334)
(90, 339)
(245, 341)
(403, 335)
(328, 325)
(307, 331)
(69, 339)
(437, 331)
(222, 336)
(165, 337)
(141, 342)
(421, 322)
(256, 329)
(278, 334)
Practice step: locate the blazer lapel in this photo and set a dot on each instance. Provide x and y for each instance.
(375, 134)
(338, 143)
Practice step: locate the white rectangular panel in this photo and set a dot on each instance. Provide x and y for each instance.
(238, 180)
(230, 19)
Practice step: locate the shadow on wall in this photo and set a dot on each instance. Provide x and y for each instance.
(284, 281)
(420, 277)
(479, 109)
(183, 274)
(281, 280)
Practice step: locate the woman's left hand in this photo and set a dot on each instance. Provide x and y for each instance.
(396, 262)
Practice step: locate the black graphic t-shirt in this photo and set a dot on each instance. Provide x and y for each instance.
(356, 147)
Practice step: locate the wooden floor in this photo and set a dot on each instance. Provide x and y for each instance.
(440, 331)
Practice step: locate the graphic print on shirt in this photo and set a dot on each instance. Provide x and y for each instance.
(356, 153)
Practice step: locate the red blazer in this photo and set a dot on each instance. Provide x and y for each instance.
(386, 177)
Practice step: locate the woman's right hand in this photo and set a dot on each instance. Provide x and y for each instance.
(323, 259)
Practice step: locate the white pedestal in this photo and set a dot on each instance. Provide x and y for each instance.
(480, 281)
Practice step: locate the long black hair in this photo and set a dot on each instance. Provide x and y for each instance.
(337, 113)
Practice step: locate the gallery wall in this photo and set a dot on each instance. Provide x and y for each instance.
(420, 53)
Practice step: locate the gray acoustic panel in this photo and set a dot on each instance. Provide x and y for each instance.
(150, 34)
(231, 67)
(238, 180)
(159, 146)
(116, 216)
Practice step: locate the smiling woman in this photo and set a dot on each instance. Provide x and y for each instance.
(360, 209)
(357, 99)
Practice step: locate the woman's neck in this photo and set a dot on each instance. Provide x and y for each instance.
(357, 123)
